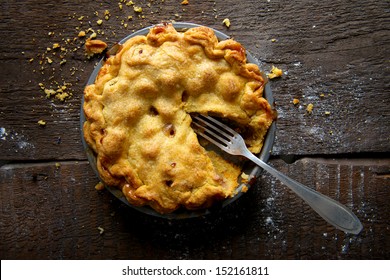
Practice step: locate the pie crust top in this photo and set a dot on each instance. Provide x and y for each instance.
(138, 116)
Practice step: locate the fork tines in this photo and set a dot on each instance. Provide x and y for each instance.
(213, 130)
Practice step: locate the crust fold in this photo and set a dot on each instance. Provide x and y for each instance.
(138, 116)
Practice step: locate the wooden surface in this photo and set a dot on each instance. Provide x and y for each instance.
(334, 54)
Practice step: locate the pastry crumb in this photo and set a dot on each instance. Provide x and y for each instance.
(41, 122)
(244, 177)
(58, 165)
(295, 101)
(244, 189)
(275, 73)
(61, 93)
(327, 113)
(62, 96)
(184, 2)
(49, 92)
(107, 14)
(94, 47)
(137, 9)
(226, 21)
(309, 108)
(99, 186)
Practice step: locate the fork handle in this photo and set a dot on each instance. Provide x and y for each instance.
(329, 209)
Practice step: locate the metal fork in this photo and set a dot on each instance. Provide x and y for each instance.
(231, 142)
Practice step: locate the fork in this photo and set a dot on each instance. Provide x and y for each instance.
(232, 142)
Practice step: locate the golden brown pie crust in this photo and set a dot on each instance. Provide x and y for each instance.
(138, 119)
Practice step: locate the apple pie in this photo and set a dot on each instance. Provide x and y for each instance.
(138, 116)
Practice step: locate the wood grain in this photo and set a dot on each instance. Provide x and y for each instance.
(54, 212)
(334, 55)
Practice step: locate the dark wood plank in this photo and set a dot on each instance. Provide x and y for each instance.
(333, 55)
(54, 212)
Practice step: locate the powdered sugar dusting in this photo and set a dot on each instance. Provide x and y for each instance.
(3, 133)
(15, 140)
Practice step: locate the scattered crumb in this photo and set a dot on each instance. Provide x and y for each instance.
(61, 93)
(137, 9)
(62, 96)
(99, 186)
(101, 230)
(226, 21)
(275, 73)
(295, 101)
(107, 14)
(309, 108)
(327, 113)
(244, 177)
(58, 165)
(94, 47)
(49, 92)
(184, 2)
(99, 22)
(273, 40)
(41, 122)
(244, 189)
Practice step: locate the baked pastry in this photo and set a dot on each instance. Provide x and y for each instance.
(138, 116)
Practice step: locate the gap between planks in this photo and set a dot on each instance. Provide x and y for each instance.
(15, 165)
(358, 161)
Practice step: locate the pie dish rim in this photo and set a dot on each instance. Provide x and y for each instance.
(253, 172)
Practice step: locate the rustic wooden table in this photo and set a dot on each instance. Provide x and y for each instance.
(335, 56)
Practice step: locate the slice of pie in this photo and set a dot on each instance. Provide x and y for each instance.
(138, 116)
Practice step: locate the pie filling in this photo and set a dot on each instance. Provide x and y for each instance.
(138, 116)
